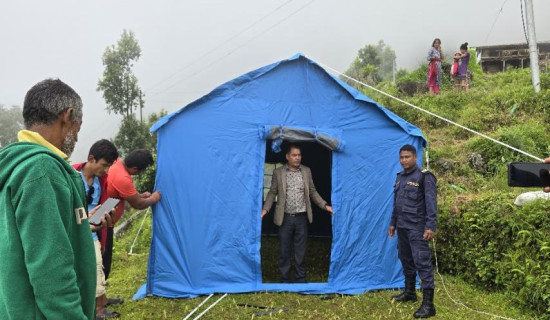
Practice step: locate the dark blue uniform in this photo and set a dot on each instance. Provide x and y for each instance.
(414, 211)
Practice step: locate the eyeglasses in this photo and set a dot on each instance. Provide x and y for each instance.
(89, 195)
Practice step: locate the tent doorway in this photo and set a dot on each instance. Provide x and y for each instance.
(319, 159)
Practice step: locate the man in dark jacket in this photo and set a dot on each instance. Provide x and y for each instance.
(414, 215)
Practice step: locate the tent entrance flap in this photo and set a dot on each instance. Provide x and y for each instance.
(329, 138)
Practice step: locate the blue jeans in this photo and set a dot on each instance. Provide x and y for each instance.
(293, 231)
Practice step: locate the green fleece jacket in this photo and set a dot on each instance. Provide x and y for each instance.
(47, 260)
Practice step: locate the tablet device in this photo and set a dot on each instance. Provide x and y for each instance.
(106, 207)
(528, 174)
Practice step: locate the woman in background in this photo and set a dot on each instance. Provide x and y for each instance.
(434, 70)
(461, 79)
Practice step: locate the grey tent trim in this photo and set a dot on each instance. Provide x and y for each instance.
(329, 138)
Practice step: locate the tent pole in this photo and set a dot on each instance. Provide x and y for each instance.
(139, 230)
(213, 304)
(194, 310)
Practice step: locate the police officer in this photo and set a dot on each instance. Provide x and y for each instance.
(414, 215)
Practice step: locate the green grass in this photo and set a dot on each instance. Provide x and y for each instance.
(319, 252)
(129, 273)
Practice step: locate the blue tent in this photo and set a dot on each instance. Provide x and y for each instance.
(210, 170)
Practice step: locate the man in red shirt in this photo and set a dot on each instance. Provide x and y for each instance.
(120, 185)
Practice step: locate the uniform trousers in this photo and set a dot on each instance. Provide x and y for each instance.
(415, 256)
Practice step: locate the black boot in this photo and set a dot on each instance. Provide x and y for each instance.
(410, 291)
(427, 308)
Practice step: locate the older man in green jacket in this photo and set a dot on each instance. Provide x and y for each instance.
(47, 265)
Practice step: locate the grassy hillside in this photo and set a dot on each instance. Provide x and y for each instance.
(484, 238)
(502, 106)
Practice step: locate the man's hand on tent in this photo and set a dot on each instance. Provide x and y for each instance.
(391, 231)
(264, 212)
(329, 209)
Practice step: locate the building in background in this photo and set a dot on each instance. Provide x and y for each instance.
(498, 58)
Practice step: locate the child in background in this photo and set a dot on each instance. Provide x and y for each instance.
(454, 67)
(461, 79)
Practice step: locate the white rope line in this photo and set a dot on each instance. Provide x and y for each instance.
(139, 230)
(197, 308)
(432, 114)
(458, 302)
(427, 159)
(210, 307)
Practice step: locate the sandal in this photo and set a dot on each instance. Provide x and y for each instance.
(113, 301)
(107, 314)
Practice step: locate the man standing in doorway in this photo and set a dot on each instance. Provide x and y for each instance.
(293, 184)
(415, 215)
(47, 265)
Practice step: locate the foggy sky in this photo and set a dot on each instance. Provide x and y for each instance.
(191, 47)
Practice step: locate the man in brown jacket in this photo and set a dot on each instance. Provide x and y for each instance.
(293, 185)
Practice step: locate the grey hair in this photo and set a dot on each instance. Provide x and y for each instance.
(48, 99)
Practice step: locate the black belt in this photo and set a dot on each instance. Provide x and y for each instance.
(295, 214)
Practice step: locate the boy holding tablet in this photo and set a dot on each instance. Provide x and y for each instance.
(94, 176)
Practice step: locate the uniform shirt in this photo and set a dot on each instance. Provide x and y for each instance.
(415, 202)
(295, 197)
(120, 185)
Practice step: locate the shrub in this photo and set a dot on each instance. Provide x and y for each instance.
(531, 137)
(146, 180)
(496, 245)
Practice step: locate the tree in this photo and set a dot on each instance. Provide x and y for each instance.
(134, 134)
(387, 60)
(374, 63)
(119, 85)
(11, 121)
(146, 180)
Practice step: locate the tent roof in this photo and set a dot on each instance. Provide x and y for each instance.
(256, 74)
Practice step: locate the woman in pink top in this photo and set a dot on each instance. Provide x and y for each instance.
(461, 78)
